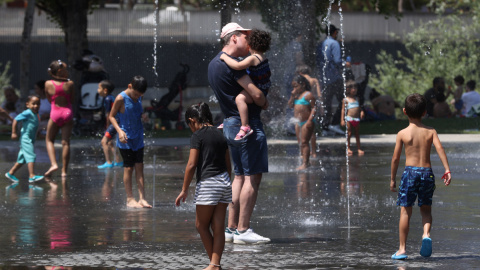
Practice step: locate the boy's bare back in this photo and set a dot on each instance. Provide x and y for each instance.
(418, 139)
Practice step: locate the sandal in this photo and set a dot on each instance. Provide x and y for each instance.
(215, 265)
(247, 132)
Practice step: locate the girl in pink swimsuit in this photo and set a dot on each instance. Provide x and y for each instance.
(60, 93)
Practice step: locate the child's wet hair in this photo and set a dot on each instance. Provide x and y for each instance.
(139, 84)
(459, 79)
(415, 105)
(29, 98)
(107, 85)
(303, 69)
(200, 112)
(259, 40)
(302, 81)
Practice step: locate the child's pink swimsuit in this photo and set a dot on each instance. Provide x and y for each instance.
(61, 115)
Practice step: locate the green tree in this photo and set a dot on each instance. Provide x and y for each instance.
(71, 17)
(446, 47)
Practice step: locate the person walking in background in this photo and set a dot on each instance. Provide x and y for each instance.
(417, 179)
(259, 71)
(128, 109)
(11, 106)
(105, 89)
(60, 93)
(210, 157)
(303, 103)
(329, 63)
(30, 120)
(250, 156)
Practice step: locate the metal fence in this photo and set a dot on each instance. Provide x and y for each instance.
(191, 26)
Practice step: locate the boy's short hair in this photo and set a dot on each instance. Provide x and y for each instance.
(459, 79)
(415, 105)
(139, 84)
(471, 85)
(106, 84)
(303, 69)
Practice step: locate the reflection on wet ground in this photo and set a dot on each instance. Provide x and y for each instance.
(317, 219)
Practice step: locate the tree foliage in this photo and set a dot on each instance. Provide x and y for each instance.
(445, 47)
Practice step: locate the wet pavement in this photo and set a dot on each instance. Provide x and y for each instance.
(332, 216)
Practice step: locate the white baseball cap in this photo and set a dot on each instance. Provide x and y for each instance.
(230, 27)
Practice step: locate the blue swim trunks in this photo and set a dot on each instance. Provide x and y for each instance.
(416, 181)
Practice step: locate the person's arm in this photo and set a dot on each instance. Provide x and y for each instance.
(117, 105)
(5, 114)
(228, 162)
(71, 91)
(395, 161)
(342, 115)
(189, 172)
(245, 63)
(291, 101)
(257, 95)
(316, 85)
(443, 158)
(14, 129)
(311, 99)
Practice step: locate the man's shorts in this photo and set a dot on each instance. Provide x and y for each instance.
(250, 156)
(111, 132)
(214, 190)
(131, 157)
(416, 181)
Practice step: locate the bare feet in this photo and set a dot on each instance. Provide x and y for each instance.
(349, 152)
(313, 154)
(52, 169)
(303, 167)
(360, 152)
(144, 204)
(131, 203)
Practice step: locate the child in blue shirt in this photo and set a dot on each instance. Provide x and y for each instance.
(127, 108)
(105, 89)
(30, 120)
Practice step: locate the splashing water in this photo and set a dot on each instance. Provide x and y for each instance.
(155, 36)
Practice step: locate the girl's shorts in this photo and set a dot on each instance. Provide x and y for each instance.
(214, 190)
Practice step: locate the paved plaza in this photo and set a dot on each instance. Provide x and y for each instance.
(331, 216)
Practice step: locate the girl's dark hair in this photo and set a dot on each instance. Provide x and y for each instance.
(459, 79)
(415, 105)
(55, 66)
(139, 84)
(200, 112)
(108, 85)
(29, 98)
(259, 40)
(302, 81)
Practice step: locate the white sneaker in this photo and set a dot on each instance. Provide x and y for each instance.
(336, 129)
(249, 237)
(228, 235)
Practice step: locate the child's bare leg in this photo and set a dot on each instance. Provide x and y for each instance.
(426, 212)
(214, 217)
(403, 228)
(313, 143)
(106, 149)
(127, 181)
(242, 100)
(115, 152)
(305, 135)
(140, 185)
(15, 167)
(30, 169)
(357, 139)
(349, 135)
(52, 130)
(66, 134)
